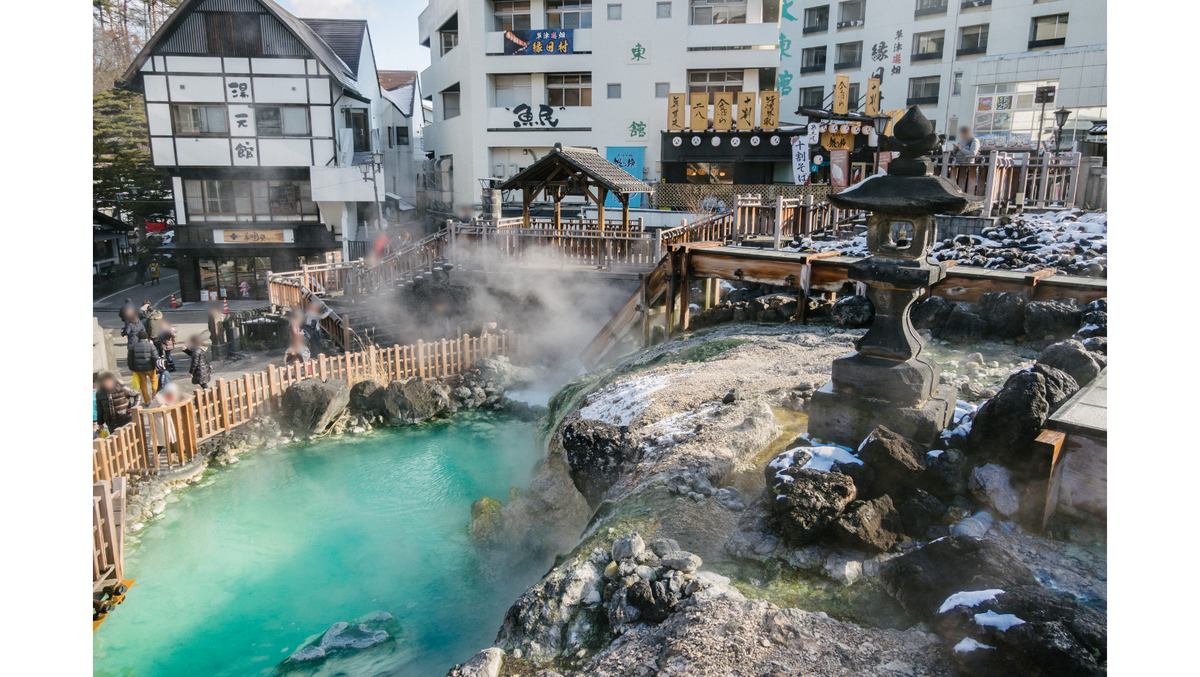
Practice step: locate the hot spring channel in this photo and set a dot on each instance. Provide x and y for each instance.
(247, 564)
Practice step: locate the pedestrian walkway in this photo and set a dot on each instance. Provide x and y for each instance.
(159, 293)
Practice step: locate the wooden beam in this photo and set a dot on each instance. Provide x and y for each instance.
(685, 282)
(672, 286)
(1047, 451)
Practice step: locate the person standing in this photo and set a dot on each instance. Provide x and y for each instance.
(141, 272)
(143, 361)
(967, 143)
(154, 271)
(312, 326)
(165, 340)
(201, 369)
(114, 401)
(152, 318)
(132, 326)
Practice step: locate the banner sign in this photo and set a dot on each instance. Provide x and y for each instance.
(249, 236)
(557, 41)
(631, 159)
(800, 160)
(839, 168)
(675, 111)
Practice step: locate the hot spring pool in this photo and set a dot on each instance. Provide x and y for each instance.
(242, 567)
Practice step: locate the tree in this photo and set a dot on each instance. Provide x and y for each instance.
(123, 176)
(119, 29)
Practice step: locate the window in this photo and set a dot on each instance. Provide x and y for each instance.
(927, 7)
(402, 136)
(710, 172)
(450, 105)
(511, 16)
(812, 97)
(232, 34)
(923, 90)
(928, 46)
(358, 122)
(449, 41)
(956, 87)
(568, 13)
(614, 91)
(853, 96)
(849, 55)
(569, 89)
(1048, 31)
(614, 12)
(812, 60)
(209, 200)
(199, 119)
(281, 120)
(663, 10)
(513, 90)
(662, 90)
(816, 19)
(714, 81)
(852, 13)
(712, 12)
(972, 39)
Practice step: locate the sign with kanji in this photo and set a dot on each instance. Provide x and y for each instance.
(836, 140)
(723, 111)
(247, 236)
(699, 118)
(676, 111)
(237, 90)
(839, 168)
(770, 110)
(800, 160)
(745, 110)
(637, 130)
(556, 41)
(631, 159)
(841, 95)
(872, 103)
(637, 52)
(245, 152)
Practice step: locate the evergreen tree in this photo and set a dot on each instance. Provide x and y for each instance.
(123, 178)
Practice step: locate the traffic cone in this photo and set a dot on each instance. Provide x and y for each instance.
(173, 303)
(225, 306)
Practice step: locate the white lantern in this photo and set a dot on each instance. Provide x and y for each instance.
(824, 127)
(845, 129)
(856, 129)
(872, 137)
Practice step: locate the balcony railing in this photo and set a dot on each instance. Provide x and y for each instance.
(852, 23)
(1051, 42)
(968, 51)
(928, 56)
(972, 4)
(820, 68)
(857, 63)
(820, 28)
(929, 11)
(922, 101)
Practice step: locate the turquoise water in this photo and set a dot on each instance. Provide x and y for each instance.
(241, 568)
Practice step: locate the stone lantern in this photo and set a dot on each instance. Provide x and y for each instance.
(887, 381)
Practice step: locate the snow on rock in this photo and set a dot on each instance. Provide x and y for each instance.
(968, 645)
(1001, 622)
(968, 598)
(823, 458)
(620, 403)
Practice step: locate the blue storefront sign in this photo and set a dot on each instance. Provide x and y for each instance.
(555, 41)
(629, 158)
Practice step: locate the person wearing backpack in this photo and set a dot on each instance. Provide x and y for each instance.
(201, 369)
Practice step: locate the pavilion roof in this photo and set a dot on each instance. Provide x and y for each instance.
(578, 160)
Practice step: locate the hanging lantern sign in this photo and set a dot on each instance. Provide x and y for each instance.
(824, 127)
(845, 129)
(814, 133)
(856, 128)
(872, 137)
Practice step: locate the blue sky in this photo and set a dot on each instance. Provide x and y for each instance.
(393, 25)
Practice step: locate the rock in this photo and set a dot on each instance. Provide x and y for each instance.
(486, 663)
(596, 451)
(945, 477)
(654, 600)
(1098, 344)
(804, 507)
(1004, 313)
(555, 615)
(932, 313)
(853, 312)
(1060, 386)
(410, 401)
(975, 526)
(896, 461)
(487, 522)
(862, 474)
(992, 484)
(975, 358)
(964, 324)
(788, 458)
(681, 560)
(661, 546)
(1006, 425)
(1059, 318)
(873, 525)
(731, 396)
(1095, 320)
(309, 406)
(343, 637)
(501, 373)
(366, 397)
(731, 498)
(921, 580)
(920, 512)
(628, 546)
(1072, 357)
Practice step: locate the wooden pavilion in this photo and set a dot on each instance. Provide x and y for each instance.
(574, 171)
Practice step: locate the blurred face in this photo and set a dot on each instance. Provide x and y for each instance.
(964, 133)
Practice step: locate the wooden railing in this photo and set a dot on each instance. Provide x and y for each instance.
(108, 532)
(719, 197)
(1015, 181)
(613, 248)
(168, 438)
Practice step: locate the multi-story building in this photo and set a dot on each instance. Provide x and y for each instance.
(510, 78)
(278, 139)
(973, 63)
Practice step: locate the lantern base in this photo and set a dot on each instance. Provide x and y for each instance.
(907, 383)
(847, 420)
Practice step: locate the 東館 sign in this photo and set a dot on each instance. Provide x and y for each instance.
(556, 41)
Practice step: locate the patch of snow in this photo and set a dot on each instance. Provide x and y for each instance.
(968, 645)
(1002, 622)
(934, 454)
(969, 598)
(620, 403)
(861, 183)
(823, 458)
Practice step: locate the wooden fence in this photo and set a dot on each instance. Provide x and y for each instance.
(168, 438)
(720, 196)
(108, 532)
(545, 245)
(1015, 181)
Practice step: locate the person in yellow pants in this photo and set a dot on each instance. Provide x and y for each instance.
(142, 360)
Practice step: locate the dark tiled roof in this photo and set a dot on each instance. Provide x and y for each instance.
(584, 160)
(344, 37)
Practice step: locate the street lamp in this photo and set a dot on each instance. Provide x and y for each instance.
(1060, 119)
(880, 123)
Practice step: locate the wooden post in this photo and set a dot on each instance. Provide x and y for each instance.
(624, 198)
(802, 292)
(222, 404)
(273, 383)
(685, 283)
(945, 164)
(420, 358)
(1073, 186)
(247, 383)
(993, 168)
(645, 287)
(778, 220)
(1022, 179)
(602, 195)
(672, 286)
(1043, 182)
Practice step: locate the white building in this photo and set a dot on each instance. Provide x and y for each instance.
(974, 63)
(607, 87)
(264, 122)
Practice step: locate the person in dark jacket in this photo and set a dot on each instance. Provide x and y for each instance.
(114, 401)
(128, 306)
(152, 319)
(143, 360)
(201, 369)
(132, 326)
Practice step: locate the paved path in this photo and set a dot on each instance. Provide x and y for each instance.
(159, 293)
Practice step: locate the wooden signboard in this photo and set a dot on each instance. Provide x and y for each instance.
(251, 236)
(837, 141)
(745, 110)
(872, 103)
(841, 95)
(723, 111)
(676, 104)
(770, 110)
(699, 119)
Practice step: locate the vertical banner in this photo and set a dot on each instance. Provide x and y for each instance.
(699, 104)
(841, 95)
(872, 104)
(770, 110)
(631, 159)
(814, 133)
(723, 111)
(839, 168)
(745, 110)
(800, 160)
(675, 111)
